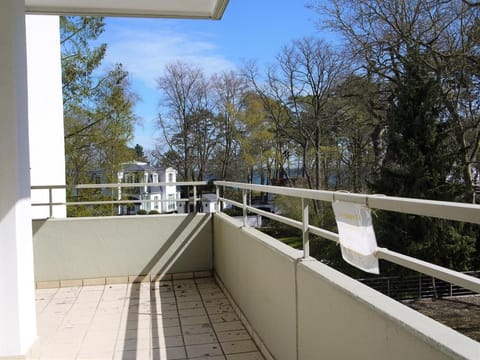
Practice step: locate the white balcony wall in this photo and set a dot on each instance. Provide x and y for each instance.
(259, 273)
(45, 113)
(114, 247)
(304, 310)
(348, 320)
(17, 296)
(296, 309)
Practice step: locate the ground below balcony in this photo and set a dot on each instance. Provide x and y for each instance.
(167, 320)
(461, 313)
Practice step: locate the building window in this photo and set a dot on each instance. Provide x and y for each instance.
(155, 202)
(170, 177)
(171, 202)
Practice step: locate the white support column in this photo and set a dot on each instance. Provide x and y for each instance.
(17, 292)
(45, 112)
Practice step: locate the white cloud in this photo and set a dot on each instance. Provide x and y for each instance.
(145, 50)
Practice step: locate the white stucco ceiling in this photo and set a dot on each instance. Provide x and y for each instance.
(208, 9)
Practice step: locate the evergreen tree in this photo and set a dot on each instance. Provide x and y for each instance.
(139, 153)
(417, 163)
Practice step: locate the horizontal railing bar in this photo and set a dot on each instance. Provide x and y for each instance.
(279, 218)
(49, 204)
(100, 202)
(232, 202)
(439, 272)
(329, 235)
(280, 190)
(294, 223)
(437, 209)
(130, 185)
(46, 187)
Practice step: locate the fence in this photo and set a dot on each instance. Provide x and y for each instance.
(417, 286)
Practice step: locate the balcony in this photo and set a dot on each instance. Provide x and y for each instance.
(205, 286)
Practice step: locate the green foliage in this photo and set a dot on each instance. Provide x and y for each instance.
(153, 212)
(142, 212)
(139, 154)
(89, 195)
(417, 164)
(233, 211)
(98, 108)
(418, 159)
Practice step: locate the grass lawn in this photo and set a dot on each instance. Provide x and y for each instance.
(293, 241)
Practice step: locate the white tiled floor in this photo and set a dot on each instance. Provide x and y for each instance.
(166, 320)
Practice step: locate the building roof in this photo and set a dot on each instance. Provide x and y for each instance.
(139, 166)
(199, 9)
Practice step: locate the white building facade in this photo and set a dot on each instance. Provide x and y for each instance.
(159, 197)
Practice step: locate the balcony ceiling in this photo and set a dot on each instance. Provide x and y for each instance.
(201, 9)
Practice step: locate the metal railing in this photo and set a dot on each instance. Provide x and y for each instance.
(50, 202)
(417, 286)
(193, 184)
(437, 209)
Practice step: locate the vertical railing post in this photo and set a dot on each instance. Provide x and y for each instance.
(194, 198)
(420, 286)
(223, 196)
(218, 208)
(244, 200)
(50, 202)
(305, 235)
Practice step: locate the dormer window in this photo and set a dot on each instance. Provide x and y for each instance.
(170, 177)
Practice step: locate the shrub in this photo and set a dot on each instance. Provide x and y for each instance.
(233, 211)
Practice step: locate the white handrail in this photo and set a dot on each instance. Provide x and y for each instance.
(438, 209)
(50, 203)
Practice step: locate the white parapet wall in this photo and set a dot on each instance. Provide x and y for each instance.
(304, 310)
(45, 113)
(121, 247)
(347, 319)
(259, 274)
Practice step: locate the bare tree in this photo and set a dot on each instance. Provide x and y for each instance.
(295, 93)
(444, 34)
(187, 126)
(229, 90)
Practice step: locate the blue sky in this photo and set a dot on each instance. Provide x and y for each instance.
(250, 29)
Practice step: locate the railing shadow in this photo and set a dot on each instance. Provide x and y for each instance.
(131, 349)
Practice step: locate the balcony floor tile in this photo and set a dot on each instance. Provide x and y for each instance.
(178, 319)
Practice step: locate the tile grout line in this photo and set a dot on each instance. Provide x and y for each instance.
(49, 301)
(121, 317)
(179, 319)
(239, 319)
(65, 315)
(37, 340)
(209, 318)
(248, 327)
(91, 319)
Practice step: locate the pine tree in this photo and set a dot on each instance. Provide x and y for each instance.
(417, 164)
